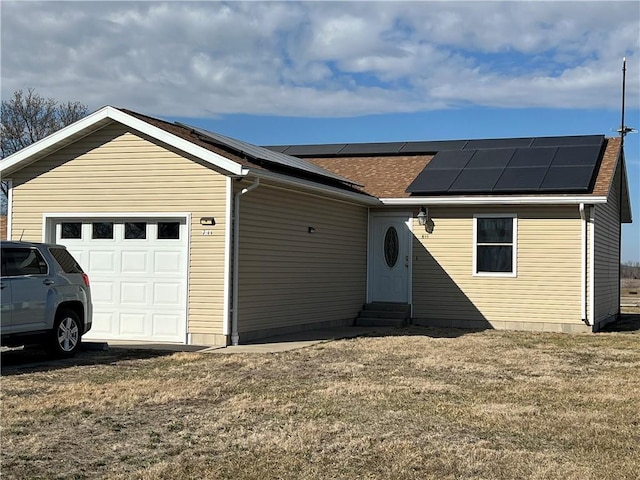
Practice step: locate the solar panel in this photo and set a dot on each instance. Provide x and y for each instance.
(498, 158)
(278, 148)
(498, 143)
(575, 140)
(452, 159)
(315, 150)
(433, 181)
(432, 147)
(567, 178)
(372, 148)
(577, 155)
(532, 157)
(260, 153)
(519, 179)
(476, 180)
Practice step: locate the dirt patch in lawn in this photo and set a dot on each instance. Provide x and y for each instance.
(416, 404)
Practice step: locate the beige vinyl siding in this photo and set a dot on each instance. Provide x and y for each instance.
(545, 294)
(289, 277)
(606, 254)
(117, 170)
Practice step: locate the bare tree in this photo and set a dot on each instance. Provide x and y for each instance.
(28, 117)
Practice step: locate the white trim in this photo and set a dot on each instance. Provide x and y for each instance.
(592, 264)
(493, 200)
(187, 335)
(514, 245)
(315, 187)
(583, 263)
(228, 239)
(9, 183)
(15, 161)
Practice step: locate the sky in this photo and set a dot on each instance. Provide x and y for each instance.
(328, 72)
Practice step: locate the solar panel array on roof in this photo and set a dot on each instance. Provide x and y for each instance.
(432, 147)
(557, 164)
(264, 154)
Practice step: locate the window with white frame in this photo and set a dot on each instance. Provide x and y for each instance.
(495, 250)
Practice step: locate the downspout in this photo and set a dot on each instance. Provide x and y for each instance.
(584, 294)
(236, 256)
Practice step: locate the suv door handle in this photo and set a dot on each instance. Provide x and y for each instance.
(48, 282)
(2, 286)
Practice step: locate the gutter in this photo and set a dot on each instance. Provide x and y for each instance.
(235, 337)
(495, 200)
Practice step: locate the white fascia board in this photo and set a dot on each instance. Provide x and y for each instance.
(315, 187)
(111, 113)
(487, 200)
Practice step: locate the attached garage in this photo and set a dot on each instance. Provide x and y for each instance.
(189, 236)
(138, 269)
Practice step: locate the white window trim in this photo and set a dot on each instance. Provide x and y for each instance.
(514, 245)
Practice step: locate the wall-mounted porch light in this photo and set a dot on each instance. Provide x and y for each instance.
(207, 221)
(311, 229)
(423, 216)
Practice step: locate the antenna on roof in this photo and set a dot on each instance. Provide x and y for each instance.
(623, 130)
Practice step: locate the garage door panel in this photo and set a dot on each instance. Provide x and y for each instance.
(167, 294)
(132, 324)
(138, 285)
(104, 322)
(132, 293)
(164, 325)
(102, 292)
(135, 262)
(102, 261)
(167, 262)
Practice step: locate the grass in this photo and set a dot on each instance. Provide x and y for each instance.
(417, 403)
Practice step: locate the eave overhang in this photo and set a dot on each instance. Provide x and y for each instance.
(98, 120)
(495, 200)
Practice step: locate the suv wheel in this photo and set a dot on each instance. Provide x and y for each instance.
(66, 336)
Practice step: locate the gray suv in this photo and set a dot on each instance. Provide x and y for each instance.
(46, 299)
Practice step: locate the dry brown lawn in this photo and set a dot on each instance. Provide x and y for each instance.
(414, 404)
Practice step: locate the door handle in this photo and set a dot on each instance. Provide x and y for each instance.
(2, 286)
(48, 282)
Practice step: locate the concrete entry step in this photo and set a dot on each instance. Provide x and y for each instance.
(384, 314)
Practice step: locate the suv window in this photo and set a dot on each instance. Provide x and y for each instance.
(22, 261)
(65, 260)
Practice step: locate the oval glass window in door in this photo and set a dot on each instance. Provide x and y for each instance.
(391, 246)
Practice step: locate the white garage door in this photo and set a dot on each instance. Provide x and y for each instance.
(138, 274)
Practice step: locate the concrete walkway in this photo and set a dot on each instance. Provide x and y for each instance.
(280, 343)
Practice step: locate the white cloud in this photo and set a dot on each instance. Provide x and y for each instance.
(321, 59)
